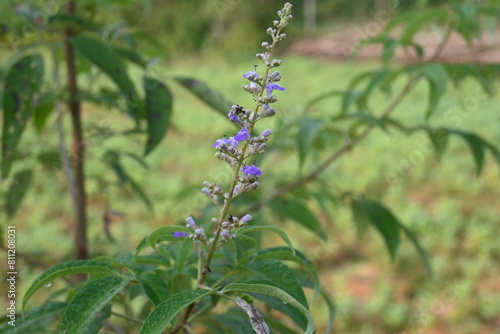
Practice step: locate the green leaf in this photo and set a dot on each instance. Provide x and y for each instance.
(286, 254)
(415, 22)
(164, 312)
(369, 119)
(384, 221)
(468, 22)
(22, 83)
(308, 132)
(280, 232)
(295, 210)
(439, 139)
(36, 320)
(155, 287)
(18, 189)
(267, 288)
(110, 63)
(183, 254)
(95, 326)
(157, 235)
(158, 110)
(438, 79)
(72, 20)
(44, 106)
(211, 97)
(131, 55)
(421, 251)
(476, 145)
(65, 269)
(91, 298)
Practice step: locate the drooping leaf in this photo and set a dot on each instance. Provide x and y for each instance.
(131, 55)
(277, 230)
(367, 118)
(308, 132)
(438, 79)
(416, 21)
(164, 312)
(468, 22)
(35, 320)
(383, 220)
(66, 269)
(206, 94)
(439, 139)
(22, 83)
(421, 251)
(476, 145)
(18, 189)
(110, 63)
(158, 110)
(89, 301)
(268, 288)
(72, 20)
(293, 209)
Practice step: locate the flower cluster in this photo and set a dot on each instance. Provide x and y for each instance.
(246, 143)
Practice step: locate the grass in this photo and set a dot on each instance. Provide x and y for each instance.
(453, 211)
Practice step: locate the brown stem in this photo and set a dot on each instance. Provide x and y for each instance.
(78, 149)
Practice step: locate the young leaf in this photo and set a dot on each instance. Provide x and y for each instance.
(65, 269)
(91, 299)
(110, 63)
(164, 312)
(36, 320)
(211, 97)
(158, 111)
(293, 209)
(268, 288)
(22, 83)
(308, 132)
(384, 221)
(280, 232)
(18, 189)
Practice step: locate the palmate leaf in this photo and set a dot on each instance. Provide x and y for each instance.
(66, 269)
(158, 111)
(164, 312)
(269, 289)
(22, 84)
(89, 301)
(35, 320)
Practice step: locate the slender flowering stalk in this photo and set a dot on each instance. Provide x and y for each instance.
(238, 149)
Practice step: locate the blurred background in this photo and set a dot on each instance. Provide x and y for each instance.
(454, 212)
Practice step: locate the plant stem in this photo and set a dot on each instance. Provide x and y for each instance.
(78, 149)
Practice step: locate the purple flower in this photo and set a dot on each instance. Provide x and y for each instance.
(251, 170)
(251, 75)
(242, 134)
(271, 87)
(234, 118)
(180, 234)
(226, 142)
